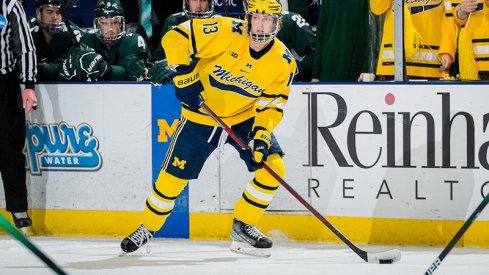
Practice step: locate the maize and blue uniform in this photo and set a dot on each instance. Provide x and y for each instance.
(193, 143)
(246, 89)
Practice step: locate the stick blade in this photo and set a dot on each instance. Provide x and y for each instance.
(384, 257)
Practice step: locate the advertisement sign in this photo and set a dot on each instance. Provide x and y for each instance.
(87, 147)
(395, 151)
(391, 151)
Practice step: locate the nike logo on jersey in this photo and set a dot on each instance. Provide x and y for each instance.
(248, 66)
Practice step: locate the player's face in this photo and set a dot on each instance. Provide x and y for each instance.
(110, 27)
(198, 5)
(51, 15)
(262, 23)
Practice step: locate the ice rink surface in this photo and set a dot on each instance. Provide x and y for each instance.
(101, 256)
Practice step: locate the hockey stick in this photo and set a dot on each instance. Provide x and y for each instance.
(226, 12)
(457, 236)
(65, 8)
(384, 257)
(5, 224)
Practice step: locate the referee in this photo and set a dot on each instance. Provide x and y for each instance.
(17, 64)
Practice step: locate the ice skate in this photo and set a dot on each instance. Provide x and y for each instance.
(137, 239)
(247, 239)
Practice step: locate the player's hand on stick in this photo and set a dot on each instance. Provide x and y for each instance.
(259, 145)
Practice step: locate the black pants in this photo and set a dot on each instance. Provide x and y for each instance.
(12, 139)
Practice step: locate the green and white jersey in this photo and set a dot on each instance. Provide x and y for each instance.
(299, 37)
(121, 55)
(58, 47)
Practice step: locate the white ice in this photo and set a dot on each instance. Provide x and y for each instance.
(169, 256)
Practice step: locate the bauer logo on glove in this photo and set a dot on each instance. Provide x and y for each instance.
(186, 80)
(188, 87)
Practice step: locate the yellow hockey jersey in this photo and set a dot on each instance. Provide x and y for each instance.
(437, 31)
(238, 82)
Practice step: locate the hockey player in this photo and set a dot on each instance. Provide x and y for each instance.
(127, 54)
(55, 48)
(298, 36)
(244, 74)
(191, 9)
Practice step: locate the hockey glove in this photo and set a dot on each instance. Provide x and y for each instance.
(134, 67)
(188, 87)
(259, 146)
(83, 63)
(160, 73)
(66, 69)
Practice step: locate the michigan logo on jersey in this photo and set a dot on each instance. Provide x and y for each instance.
(179, 163)
(223, 79)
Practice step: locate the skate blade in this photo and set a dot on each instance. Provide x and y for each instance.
(247, 249)
(24, 231)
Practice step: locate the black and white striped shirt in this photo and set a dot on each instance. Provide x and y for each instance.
(16, 43)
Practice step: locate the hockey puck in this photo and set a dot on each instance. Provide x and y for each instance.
(386, 261)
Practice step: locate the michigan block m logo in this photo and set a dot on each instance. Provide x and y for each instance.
(179, 163)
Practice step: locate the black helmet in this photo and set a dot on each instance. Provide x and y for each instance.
(109, 9)
(51, 27)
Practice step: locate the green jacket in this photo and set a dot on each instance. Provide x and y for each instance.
(299, 37)
(342, 46)
(121, 55)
